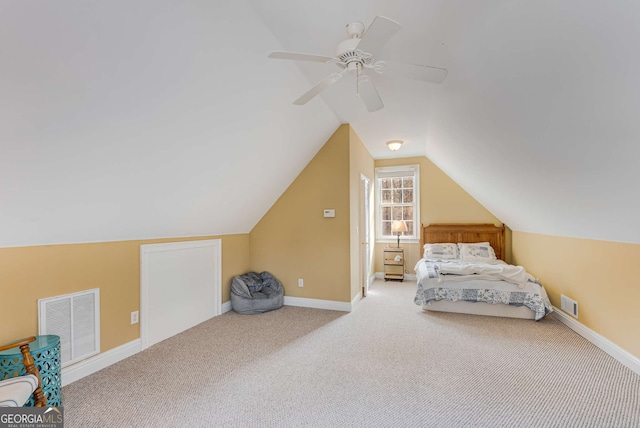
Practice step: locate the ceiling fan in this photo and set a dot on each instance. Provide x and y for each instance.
(357, 55)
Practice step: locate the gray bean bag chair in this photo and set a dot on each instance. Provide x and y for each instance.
(254, 293)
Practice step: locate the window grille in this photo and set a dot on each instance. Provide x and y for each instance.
(397, 198)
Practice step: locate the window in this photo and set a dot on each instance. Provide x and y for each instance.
(397, 198)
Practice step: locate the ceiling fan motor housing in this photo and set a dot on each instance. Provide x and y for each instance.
(349, 55)
(346, 52)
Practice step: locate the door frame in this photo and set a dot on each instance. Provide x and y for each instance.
(365, 235)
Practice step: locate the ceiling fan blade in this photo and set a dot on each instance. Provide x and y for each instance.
(411, 71)
(378, 33)
(319, 87)
(369, 94)
(301, 57)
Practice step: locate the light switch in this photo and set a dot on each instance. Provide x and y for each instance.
(329, 213)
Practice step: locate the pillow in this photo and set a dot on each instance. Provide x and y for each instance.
(445, 251)
(477, 251)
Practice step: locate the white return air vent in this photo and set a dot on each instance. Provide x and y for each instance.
(76, 319)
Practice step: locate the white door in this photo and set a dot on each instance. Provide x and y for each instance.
(180, 287)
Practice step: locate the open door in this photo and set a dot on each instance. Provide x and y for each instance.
(365, 227)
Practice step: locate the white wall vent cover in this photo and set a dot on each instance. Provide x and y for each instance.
(568, 305)
(76, 319)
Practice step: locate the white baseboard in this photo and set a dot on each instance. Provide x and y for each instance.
(600, 341)
(356, 299)
(331, 305)
(91, 365)
(226, 306)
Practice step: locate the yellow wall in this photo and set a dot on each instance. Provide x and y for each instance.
(441, 201)
(360, 163)
(600, 275)
(31, 273)
(293, 240)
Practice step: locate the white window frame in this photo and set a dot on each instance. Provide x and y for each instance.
(391, 172)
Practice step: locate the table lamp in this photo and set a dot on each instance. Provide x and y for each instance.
(398, 226)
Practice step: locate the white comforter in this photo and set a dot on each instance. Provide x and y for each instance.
(461, 270)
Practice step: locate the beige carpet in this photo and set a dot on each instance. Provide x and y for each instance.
(385, 364)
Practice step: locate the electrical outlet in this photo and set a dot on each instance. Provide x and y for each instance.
(300, 282)
(135, 317)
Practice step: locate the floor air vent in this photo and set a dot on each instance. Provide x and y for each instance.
(76, 319)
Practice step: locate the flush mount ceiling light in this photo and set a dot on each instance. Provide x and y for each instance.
(394, 145)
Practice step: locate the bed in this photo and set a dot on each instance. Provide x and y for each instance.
(463, 271)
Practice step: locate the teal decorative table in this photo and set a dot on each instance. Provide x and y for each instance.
(46, 354)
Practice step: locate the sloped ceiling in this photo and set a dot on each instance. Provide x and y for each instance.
(142, 119)
(538, 121)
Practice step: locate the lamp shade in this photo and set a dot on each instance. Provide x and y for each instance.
(398, 226)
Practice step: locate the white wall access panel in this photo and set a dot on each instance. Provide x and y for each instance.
(180, 287)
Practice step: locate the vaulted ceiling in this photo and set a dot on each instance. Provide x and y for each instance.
(142, 119)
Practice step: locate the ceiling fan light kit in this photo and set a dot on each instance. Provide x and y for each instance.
(356, 54)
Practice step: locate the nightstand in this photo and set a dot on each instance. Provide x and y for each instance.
(394, 264)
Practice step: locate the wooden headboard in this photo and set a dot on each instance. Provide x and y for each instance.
(470, 233)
